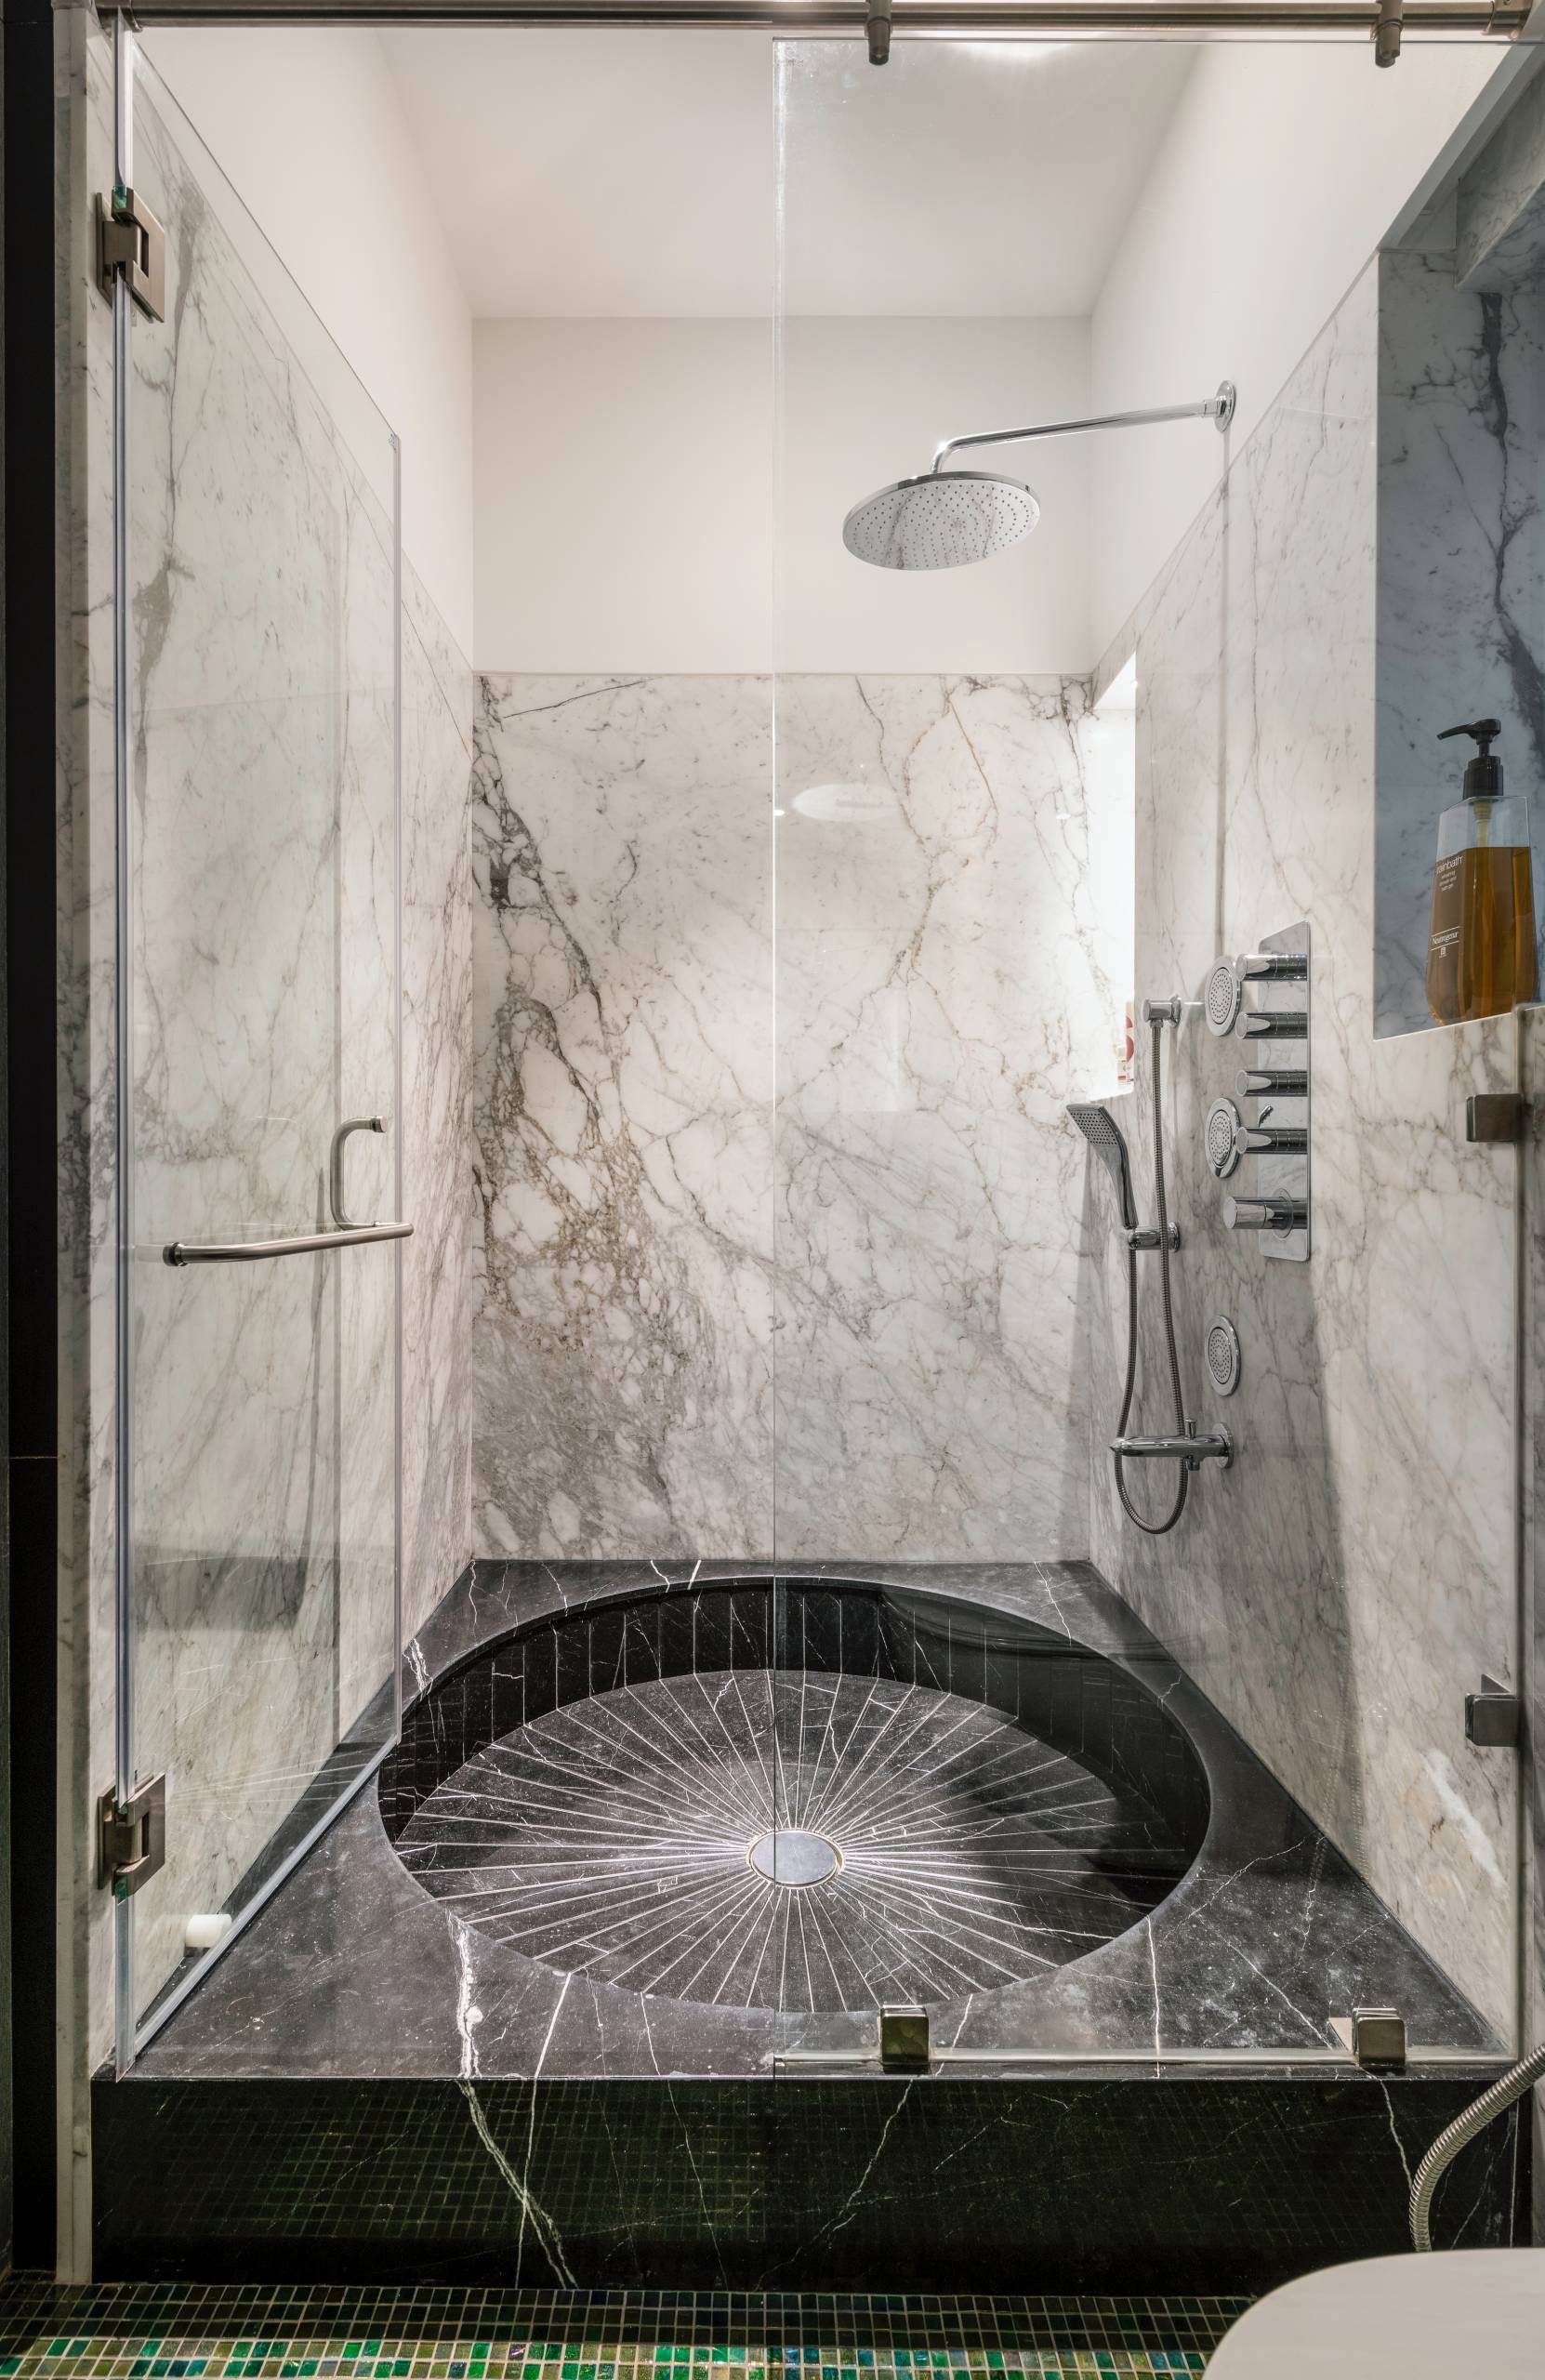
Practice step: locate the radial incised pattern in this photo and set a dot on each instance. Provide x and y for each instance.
(614, 1837)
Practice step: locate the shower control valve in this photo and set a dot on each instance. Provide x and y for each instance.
(1264, 1214)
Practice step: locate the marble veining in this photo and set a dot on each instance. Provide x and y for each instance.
(1341, 1589)
(623, 1115)
(784, 1235)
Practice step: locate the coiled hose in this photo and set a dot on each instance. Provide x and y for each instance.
(1475, 2118)
(1152, 1528)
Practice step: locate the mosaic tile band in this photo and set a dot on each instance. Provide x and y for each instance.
(148, 2331)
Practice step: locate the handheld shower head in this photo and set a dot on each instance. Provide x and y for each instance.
(1104, 1136)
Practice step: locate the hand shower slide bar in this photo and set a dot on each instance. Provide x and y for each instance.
(254, 1251)
(927, 19)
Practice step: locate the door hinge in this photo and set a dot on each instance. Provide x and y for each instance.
(1494, 1116)
(131, 1837)
(130, 240)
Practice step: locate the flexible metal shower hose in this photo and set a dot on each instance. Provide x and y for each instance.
(1475, 2118)
(1152, 1528)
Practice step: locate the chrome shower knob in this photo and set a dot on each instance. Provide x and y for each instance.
(1221, 1137)
(1264, 1214)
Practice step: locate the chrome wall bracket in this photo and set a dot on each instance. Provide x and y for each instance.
(131, 242)
(131, 1838)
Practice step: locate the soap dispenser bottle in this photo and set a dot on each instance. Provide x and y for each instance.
(1481, 956)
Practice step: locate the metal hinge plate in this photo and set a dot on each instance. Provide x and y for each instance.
(130, 241)
(131, 1837)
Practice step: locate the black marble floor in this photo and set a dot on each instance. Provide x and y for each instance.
(356, 1969)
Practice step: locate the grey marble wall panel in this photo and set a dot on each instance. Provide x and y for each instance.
(1343, 1587)
(622, 849)
(1500, 212)
(1460, 428)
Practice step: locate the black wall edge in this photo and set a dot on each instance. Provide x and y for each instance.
(30, 1268)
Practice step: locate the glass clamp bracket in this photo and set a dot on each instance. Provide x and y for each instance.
(131, 1838)
(132, 243)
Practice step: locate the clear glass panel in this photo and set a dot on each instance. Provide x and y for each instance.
(1098, 1791)
(261, 1425)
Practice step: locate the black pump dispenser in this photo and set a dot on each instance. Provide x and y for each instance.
(1483, 776)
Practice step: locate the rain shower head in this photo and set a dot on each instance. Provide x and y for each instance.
(946, 517)
(1104, 1136)
(940, 521)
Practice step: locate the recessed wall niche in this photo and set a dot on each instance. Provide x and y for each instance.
(1459, 620)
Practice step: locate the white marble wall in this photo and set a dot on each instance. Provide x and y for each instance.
(1339, 1590)
(780, 1248)
(952, 967)
(262, 657)
(1460, 579)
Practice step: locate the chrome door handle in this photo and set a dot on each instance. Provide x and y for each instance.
(344, 1221)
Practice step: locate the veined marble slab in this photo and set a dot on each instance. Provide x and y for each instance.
(949, 966)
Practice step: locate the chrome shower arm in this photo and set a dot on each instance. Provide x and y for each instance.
(1218, 409)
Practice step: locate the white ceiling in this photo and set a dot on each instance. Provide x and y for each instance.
(635, 173)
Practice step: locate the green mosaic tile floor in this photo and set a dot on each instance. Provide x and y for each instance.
(197, 2331)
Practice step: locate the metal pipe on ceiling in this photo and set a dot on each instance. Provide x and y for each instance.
(908, 19)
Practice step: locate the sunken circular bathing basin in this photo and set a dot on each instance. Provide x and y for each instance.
(804, 1796)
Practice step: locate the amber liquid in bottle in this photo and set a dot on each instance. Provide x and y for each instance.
(1481, 957)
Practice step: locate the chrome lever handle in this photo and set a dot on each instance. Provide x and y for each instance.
(335, 1167)
(1266, 1082)
(1272, 966)
(1264, 1214)
(1286, 1140)
(1272, 1024)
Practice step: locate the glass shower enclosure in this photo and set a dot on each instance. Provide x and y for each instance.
(256, 538)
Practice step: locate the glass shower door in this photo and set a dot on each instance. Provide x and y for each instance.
(258, 740)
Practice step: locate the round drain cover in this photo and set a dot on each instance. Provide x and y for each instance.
(792, 1857)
